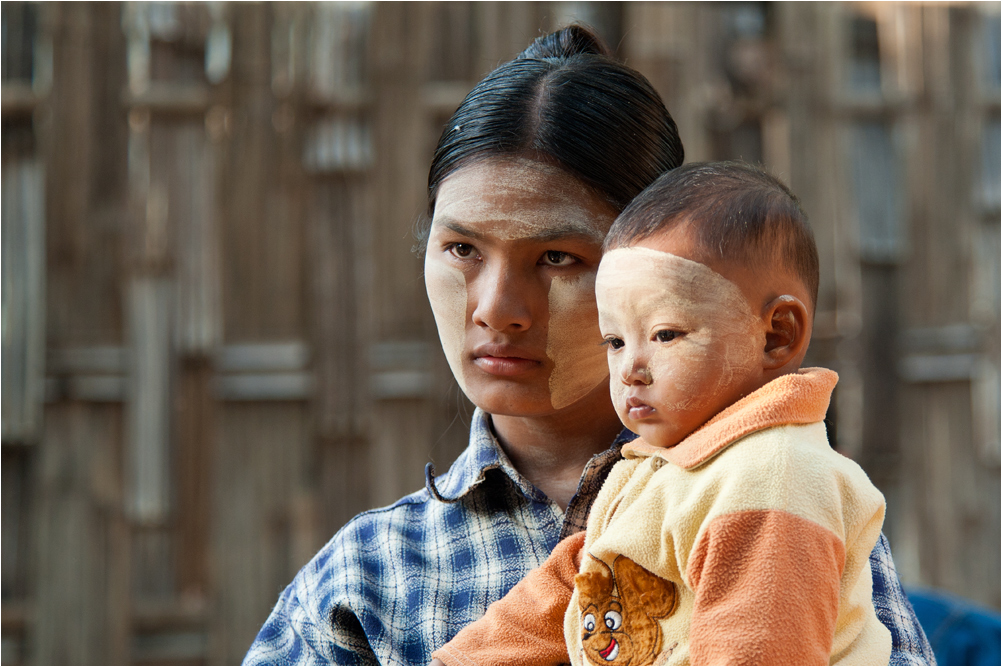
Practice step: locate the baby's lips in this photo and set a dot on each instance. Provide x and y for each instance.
(634, 402)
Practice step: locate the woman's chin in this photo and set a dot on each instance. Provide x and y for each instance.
(513, 400)
(520, 399)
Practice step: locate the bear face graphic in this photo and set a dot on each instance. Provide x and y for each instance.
(620, 608)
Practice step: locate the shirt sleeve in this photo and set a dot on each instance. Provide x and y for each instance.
(293, 635)
(909, 645)
(526, 626)
(766, 586)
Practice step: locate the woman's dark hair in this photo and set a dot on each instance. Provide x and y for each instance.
(565, 101)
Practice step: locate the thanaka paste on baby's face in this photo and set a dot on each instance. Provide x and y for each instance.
(688, 342)
(510, 211)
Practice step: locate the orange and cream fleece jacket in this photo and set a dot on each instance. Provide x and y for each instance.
(746, 543)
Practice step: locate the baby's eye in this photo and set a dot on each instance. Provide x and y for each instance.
(557, 258)
(666, 336)
(613, 342)
(462, 250)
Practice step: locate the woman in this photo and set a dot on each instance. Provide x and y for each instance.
(528, 176)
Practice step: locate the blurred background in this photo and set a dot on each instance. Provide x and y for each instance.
(216, 342)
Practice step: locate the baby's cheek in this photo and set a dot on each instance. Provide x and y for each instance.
(617, 389)
(680, 373)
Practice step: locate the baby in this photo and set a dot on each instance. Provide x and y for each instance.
(731, 532)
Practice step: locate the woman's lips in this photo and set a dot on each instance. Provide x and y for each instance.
(637, 409)
(503, 360)
(505, 366)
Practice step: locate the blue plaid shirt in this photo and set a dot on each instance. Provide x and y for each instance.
(398, 582)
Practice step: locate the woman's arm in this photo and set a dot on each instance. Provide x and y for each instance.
(294, 634)
(526, 627)
(909, 645)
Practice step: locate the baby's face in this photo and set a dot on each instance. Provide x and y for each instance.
(683, 342)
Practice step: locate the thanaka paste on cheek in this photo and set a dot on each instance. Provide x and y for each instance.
(573, 340)
(447, 294)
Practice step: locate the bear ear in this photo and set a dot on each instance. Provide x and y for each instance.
(593, 585)
(657, 596)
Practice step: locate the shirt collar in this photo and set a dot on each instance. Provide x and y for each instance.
(484, 453)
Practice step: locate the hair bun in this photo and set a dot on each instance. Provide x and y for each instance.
(573, 40)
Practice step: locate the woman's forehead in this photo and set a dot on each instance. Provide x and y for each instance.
(516, 198)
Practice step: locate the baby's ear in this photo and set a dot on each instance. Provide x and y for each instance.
(788, 332)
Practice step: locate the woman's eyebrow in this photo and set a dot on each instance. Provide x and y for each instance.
(569, 230)
(554, 232)
(458, 228)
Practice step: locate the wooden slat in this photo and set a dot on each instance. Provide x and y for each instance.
(262, 457)
(83, 572)
(262, 357)
(953, 341)
(164, 97)
(19, 99)
(189, 172)
(80, 541)
(262, 231)
(258, 468)
(23, 298)
(941, 367)
(400, 50)
(196, 438)
(148, 480)
(340, 255)
(264, 387)
(19, 470)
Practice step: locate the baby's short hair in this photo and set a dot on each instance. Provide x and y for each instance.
(735, 211)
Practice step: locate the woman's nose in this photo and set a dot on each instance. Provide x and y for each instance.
(503, 301)
(635, 371)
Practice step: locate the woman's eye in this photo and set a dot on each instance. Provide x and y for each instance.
(666, 336)
(462, 250)
(614, 343)
(557, 258)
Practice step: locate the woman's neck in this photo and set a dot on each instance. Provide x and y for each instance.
(551, 451)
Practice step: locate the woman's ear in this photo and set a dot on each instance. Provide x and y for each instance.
(788, 332)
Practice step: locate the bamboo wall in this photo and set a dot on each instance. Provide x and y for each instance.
(216, 344)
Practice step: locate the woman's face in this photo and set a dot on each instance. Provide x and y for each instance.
(510, 272)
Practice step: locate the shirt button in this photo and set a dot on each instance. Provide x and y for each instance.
(657, 463)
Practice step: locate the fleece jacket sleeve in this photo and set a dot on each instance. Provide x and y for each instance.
(767, 590)
(525, 627)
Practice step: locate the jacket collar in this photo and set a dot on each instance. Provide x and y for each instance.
(798, 398)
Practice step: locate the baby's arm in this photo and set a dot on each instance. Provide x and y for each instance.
(767, 591)
(526, 627)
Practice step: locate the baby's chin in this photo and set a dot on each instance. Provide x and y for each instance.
(653, 433)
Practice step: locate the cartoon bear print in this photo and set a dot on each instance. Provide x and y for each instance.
(620, 608)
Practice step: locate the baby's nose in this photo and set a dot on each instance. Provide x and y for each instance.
(635, 371)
